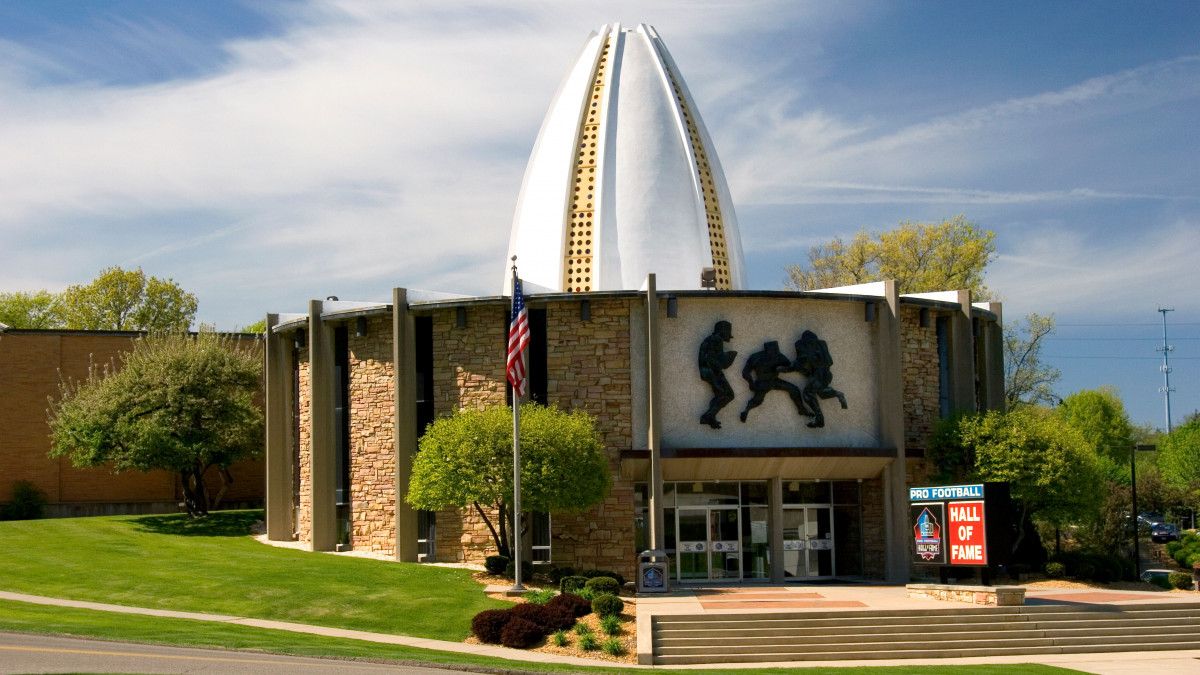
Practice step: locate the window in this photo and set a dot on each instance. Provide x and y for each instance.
(943, 352)
(540, 526)
(426, 536)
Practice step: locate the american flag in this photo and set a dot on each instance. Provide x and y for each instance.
(518, 340)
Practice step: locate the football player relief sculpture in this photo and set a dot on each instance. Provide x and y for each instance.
(763, 372)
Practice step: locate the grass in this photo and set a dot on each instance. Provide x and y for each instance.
(23, 617)
(212, 565)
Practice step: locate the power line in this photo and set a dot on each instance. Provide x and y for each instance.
(1118, 339)
(1119, 357)
(1181, 323)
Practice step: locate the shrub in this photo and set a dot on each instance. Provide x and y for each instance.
(583, 629)
(496, 564)
(1084, 569)
(608, 605)
(1056, 570)
(610, 624)
(600, 585)
(592, 574)
(560, 638)
(510, 570)
(613, 646)
(1181, 580)
(27, 502)
(557, 573)
(521, 634)
(559, 617)
(539, 597)
(571, 583)
(577, 605)
(489, 624)
(1162, 581)
(535, 614)
(587, 642)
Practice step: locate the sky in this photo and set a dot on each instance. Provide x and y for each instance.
(264, 153)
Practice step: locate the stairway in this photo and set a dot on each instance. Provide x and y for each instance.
(898, 634)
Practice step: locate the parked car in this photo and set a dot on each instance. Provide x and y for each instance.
(1159, 576)
(1161, 533)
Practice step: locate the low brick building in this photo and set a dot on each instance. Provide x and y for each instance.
(32, 364)
(753, 435)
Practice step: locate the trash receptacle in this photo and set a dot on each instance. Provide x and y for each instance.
(654, 574)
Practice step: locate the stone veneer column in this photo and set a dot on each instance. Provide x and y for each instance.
(278, 405)
(404, 356)
(322, 434)
(891, 433)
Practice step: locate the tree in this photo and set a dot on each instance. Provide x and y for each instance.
(37, 309)
(176, 402)
(1100, 416)
(1028, 381)
(949, 255)
(466, 461)
(1051, 473)
(119, 299)
(1179, 456)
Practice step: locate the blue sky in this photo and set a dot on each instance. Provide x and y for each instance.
(263, 153)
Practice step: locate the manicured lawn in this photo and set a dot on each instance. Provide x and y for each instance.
(213, 565)
(21, 617)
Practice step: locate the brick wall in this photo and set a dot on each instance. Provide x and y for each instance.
(920, 372)
(30, 368)
(468, 363)
(372, 438)
(874, 529)
(588, 368)
(304, 434)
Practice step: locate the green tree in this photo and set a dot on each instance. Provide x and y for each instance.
(1051, 472)
(119, 299)
(1100, 416)
(466, 461)
(1179, 457)
(259, 326)
(949, 255)
(36, 309)
(1028, 381)
(176, 402)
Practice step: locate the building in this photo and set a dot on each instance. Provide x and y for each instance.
(755, 435)
(32, 364)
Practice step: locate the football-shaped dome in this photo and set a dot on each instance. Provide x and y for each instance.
(624, 179)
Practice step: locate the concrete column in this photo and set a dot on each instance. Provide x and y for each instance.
(962, 357)
(323, 429)
(891, 433)
(775, 527)
(404, 400)
(658, 535)
(995, 358)
(278, 407)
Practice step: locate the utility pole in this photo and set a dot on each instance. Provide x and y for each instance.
(1166, 366)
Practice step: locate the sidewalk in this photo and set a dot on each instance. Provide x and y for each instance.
(694, 600)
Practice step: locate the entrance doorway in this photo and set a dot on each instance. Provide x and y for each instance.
(808, 542)
(709, 546)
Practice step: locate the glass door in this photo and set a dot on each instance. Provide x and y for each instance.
(692, 543)
(808, 542)
(709, 543)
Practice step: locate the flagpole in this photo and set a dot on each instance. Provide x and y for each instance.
(516, 404)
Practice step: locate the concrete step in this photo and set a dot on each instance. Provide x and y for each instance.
(991, 631)
(915, 643)
(671, 631)
(928, 653)
(715, 642)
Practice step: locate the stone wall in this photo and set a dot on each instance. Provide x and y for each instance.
(919, 355)
(588, 367)
(303, 428)
(468, 363)
(372, 438)
(874, 529)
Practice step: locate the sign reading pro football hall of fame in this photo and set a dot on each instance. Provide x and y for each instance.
(949, 524)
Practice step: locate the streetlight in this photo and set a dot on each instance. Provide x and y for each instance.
(1137, 551)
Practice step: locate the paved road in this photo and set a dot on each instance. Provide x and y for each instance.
(21, 653)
